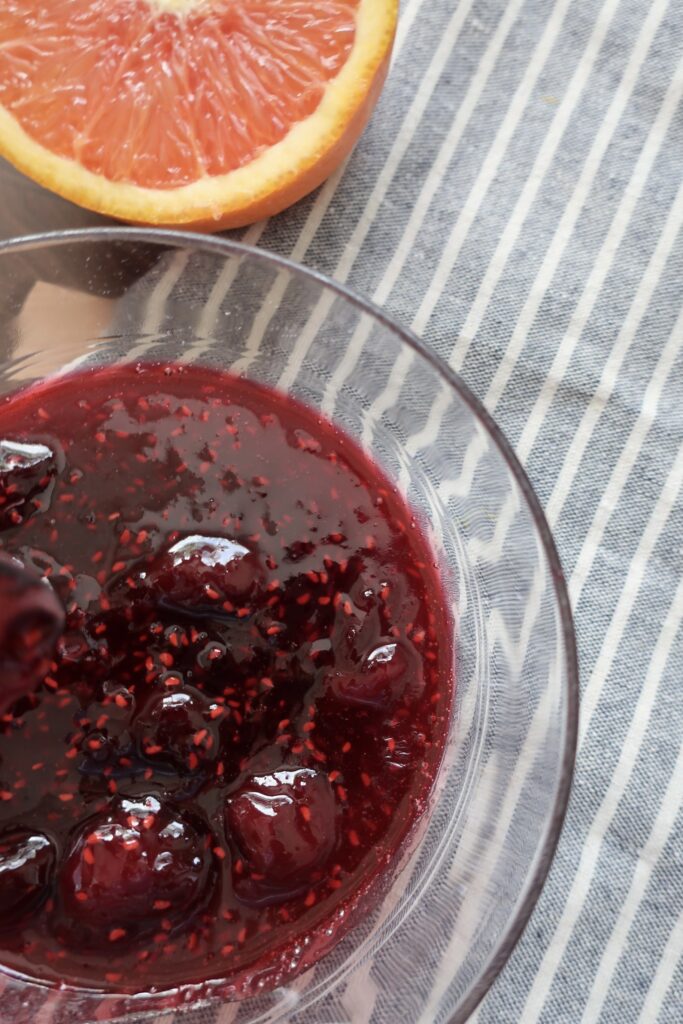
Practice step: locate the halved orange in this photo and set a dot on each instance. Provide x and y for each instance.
(197, 113)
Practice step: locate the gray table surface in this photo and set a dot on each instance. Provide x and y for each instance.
(518, 200)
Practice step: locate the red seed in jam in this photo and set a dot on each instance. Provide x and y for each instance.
(227, 680)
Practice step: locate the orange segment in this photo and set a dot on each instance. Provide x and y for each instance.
(199, 112)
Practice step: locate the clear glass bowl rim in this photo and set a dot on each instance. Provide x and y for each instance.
(220, 246)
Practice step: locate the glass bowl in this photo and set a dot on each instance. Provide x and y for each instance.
(464, 890)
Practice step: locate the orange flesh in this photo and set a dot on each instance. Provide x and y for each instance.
(139, 93)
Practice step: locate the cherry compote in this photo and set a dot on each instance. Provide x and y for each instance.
(227, 680)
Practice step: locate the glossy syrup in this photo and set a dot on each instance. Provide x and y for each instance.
(248, 701)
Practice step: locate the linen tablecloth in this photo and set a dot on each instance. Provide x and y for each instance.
(518, 201)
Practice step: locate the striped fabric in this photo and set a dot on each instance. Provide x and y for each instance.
(518, 201)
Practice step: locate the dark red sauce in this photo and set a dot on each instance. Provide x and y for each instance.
(246, 706)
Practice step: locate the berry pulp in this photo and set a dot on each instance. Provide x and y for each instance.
(248, 702)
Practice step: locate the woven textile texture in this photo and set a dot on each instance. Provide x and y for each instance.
(518, 201)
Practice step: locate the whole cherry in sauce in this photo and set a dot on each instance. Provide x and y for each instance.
(200, 573)
(234, 687)
(27, 859)
(179, 727)
(26, 475)
(31, 620)
(382, 676)
(284, 825)
(130, 867)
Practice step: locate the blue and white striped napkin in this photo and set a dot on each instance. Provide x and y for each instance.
(518, 201)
